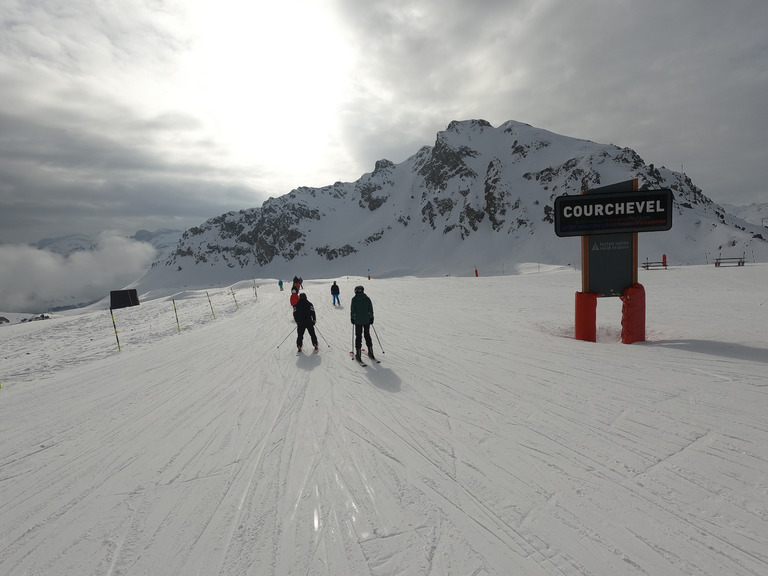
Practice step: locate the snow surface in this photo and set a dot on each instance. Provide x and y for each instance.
(487, 442)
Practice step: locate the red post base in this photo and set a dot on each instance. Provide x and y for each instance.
(633, 314)
(586, 317)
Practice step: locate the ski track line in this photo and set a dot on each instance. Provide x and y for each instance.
(597, 429)
(523, 544)
(241, 484)
(77, 463)
(523, 547)
(445, 363)
(331, 479)
(639, 492)
(627, 486)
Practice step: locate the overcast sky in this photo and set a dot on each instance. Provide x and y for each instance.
(147, 114)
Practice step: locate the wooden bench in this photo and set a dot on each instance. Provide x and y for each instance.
(661, 264)
(736, 261)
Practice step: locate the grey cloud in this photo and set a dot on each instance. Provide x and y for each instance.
(94, 163)
(34, 280)
(683, 82)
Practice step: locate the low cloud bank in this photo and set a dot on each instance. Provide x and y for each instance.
(33, 280)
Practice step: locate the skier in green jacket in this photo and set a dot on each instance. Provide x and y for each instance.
(361, 315)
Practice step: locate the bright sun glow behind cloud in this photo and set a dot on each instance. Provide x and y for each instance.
(268, 80)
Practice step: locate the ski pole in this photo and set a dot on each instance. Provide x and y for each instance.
(377, 338)
(323, 337)
(286, 338)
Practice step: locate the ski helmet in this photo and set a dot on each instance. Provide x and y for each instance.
(359, 289)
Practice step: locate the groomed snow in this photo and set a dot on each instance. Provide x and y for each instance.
(487, 442)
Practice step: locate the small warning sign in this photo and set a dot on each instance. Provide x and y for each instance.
(608, 246)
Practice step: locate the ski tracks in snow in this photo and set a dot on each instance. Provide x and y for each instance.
(471, 449)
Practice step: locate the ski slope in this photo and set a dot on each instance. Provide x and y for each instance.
(487, 442)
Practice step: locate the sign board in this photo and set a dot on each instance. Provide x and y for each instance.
(608, 261)
(611, 261)
(599, 212)
(123, 298)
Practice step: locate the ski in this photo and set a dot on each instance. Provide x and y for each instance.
(352, 355)
(374, 359)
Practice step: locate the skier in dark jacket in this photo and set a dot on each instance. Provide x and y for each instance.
(304, 314)
(361, 314)
(335, 294)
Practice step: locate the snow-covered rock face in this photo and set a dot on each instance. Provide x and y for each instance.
(66, 245)
(481, 196)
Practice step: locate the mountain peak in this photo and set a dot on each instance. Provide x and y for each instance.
(460, 126)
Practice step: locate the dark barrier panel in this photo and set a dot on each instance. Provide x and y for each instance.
(123, 298)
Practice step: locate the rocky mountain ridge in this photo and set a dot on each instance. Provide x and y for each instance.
(480, 196)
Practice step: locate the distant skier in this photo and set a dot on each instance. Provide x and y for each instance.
(304, 314)
(335, 293)
(294, 295)
(361, 314)
(280, 283)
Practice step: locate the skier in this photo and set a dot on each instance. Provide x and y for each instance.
(361, 315)
(294, 296)
(280, 283)
(335, 293)
(304, 314)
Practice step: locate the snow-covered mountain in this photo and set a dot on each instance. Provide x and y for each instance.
(67, 245)
(754, 213)
(479, 197)
(164, 241)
